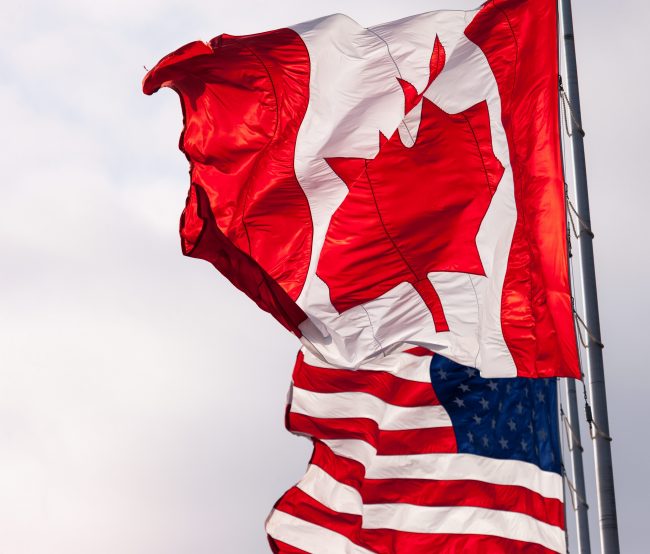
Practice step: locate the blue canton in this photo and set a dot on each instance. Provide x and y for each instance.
(511, 418)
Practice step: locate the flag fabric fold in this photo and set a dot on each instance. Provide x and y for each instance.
(395, 185)
(416, 453)
(394, 196)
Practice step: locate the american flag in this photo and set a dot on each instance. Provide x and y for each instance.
(415, 453)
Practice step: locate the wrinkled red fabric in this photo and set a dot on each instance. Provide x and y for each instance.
(243, 100)
(417, 209)
(536, 310)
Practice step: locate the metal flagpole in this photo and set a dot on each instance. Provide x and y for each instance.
(578, 490)
(599, 422)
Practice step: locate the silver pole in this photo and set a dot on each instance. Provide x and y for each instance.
(577, 469)
(602, 448)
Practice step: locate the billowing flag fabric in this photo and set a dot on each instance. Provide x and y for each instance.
(399, 184)
(416, 453)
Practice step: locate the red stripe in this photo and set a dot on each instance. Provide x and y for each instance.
(299, 504)
(383, 385)
(422, 492)
(430, 296)
(387, 443)
(279, 547)
(385, 541)
(419, 351)
(416, 441)
(344, 470)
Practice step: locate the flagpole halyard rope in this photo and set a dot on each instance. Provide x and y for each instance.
(578, 497)
(576, 491)
(575, 442)
(584, 226)
(572, 225)
(593, 337)
(594, 430)
(566, 102)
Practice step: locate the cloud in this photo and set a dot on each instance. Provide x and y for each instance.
(142, 395)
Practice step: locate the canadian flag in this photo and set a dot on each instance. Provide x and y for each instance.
(376, 187)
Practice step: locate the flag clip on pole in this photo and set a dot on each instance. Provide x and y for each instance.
(596, 375)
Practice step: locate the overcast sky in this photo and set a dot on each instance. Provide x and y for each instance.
(141, 395)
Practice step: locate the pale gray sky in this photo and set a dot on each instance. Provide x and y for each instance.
(141, 395)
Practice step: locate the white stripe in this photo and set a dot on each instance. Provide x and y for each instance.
(353, 449)
(363, 405)
(401, 364)
(463, 520)
(398, 363)
(467, 466)
(450, 467)
(321, 486)
(308, 536)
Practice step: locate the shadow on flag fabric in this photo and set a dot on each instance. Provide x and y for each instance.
(416, 453)
(395, 185)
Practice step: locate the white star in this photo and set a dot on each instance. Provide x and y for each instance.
(486, 441)
(484, 403)
(542, 434)
(520, 408)
(459, 402)
(493, 385)
(470, 372)
(477, 419)
(463, 387)
(442, 374)
(470, 436)
(524, 445)
(494, 423)
(540, 396)
(512, 424)
(530, 427)
(504, 443)
(508, 388)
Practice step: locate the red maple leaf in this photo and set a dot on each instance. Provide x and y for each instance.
(412, 210)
